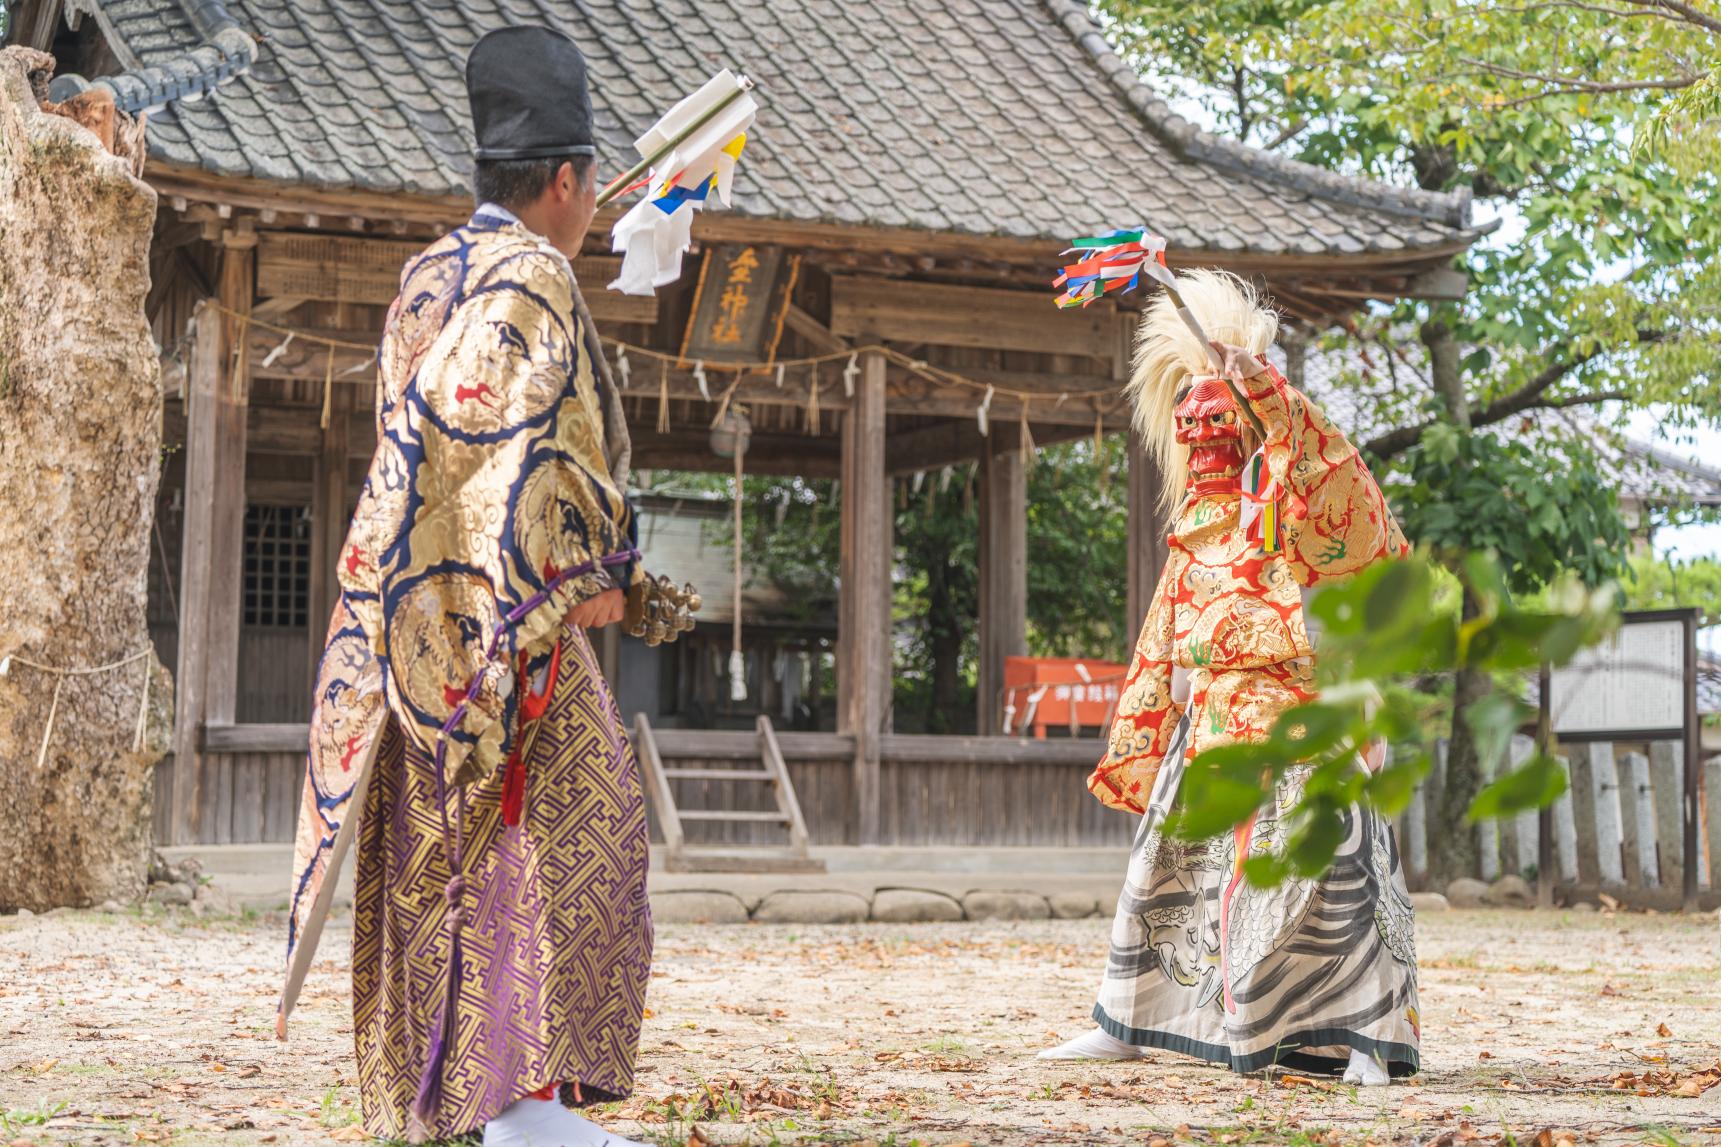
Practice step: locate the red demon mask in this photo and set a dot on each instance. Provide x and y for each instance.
(1209, 423)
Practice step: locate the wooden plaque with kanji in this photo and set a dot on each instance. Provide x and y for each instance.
(738, 310)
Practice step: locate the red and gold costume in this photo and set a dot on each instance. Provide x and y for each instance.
(1311, 973)
(1229, 613)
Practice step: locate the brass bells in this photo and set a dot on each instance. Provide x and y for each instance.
(659, 611)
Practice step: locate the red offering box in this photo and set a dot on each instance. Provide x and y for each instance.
(1063, 693)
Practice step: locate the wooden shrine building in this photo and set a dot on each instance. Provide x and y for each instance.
(915, 171)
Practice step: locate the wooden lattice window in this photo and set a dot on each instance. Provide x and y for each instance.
(277, 566)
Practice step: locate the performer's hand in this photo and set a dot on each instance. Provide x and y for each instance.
(596, 612)
(1236, 363)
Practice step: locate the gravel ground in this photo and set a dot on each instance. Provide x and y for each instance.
(127, 1029)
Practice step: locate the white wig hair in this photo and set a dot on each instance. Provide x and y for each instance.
(1168, 356)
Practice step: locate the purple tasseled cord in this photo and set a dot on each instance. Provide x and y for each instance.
(454, 836)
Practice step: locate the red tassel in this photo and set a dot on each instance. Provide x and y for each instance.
(513, 789)
(532, 707)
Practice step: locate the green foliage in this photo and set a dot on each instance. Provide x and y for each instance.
(1078, 556)
(1668, 584)
(1610, 286)
(1540, 507)
(1379, 629)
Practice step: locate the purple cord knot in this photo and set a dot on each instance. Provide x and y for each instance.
(455, 893)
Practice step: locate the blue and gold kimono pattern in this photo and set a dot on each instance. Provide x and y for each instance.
(488, 481)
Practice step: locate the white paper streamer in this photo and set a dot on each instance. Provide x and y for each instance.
(779, 376)
(281, 349)
(980, 415)
(622, 367)
(850, 373)
(699, 377)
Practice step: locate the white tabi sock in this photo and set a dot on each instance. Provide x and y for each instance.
(1366, 1071)
(1097, 1044)
(546, 1123)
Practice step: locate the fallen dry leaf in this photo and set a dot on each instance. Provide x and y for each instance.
(1663, 1030)
(351, 1133)
(1305, 1081)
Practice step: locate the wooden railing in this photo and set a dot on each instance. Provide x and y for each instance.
(933, 790)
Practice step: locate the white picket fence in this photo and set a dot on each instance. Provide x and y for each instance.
(1618, 825)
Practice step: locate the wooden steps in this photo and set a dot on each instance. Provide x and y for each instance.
(790, 856)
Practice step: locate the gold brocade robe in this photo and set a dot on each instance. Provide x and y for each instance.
(489, 479)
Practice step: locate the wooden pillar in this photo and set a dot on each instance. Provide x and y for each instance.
(1295, 342)
(329, 520)
(863, 650)
(1003, 575)
(1147, 530)
(212, 555)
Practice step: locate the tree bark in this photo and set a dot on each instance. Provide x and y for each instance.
(1451, 841)
(1452, 851)
(80, 443)
(1442, 344)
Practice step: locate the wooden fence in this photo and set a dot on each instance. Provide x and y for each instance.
(1619, 824)
(954, 791)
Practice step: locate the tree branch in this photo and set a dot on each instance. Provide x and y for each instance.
(1570, 85)
(1286, 134)
(1526, 397)
(1684, 11)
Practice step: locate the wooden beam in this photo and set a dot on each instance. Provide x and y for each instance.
(329, 497)
(865, 566)
(1443, 283)
(256, 738)
(949, 443)
(911, 748)
(1003, 579)
(225, 603)
(817, 334)
(1147, 530)
(430, 212)
(361, 269)
(802, 455)
(296, 431)
(203, 385)
(730, 745)
(970, 317)
(276, 309)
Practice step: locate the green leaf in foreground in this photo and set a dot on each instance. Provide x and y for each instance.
(1539, 782)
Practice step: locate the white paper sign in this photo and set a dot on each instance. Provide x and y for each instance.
(1633, 680)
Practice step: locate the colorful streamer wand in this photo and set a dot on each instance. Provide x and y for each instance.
(1115, 262)
(1108, 263)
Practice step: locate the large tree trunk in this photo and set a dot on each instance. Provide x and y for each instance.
(1452, 842)
(80, 442)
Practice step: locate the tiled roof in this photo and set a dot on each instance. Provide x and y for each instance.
(1002, 118)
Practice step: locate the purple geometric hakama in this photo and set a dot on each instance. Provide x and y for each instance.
(556, 953)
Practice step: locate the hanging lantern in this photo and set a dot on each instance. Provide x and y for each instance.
(731, 433)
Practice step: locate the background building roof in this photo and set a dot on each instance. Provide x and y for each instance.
(987, 117)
